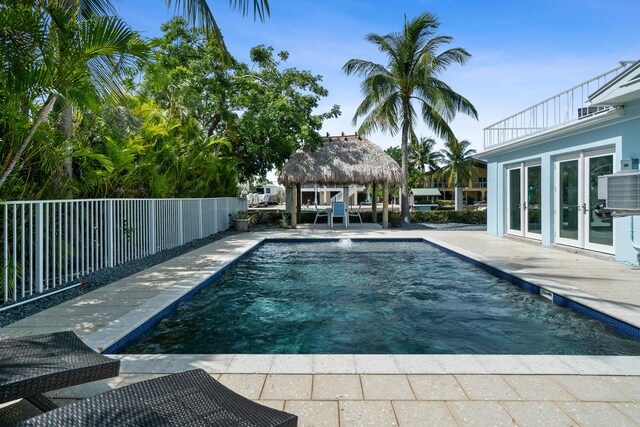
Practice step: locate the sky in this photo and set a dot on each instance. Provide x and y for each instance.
(522, 51)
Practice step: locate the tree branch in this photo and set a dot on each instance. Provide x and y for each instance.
(40, 117)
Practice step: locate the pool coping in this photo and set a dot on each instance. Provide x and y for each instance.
(431, 364)
(105, 338)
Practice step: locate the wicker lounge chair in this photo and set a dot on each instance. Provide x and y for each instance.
(30, 366)
(189, 398)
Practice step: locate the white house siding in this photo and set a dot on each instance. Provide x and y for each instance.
(620, 132)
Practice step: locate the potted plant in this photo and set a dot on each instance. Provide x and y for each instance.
(284, 222)
(242, 220)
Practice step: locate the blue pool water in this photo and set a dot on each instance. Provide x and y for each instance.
(372, 297)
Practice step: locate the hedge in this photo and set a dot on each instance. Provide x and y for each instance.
(444, 217)
(436, 216)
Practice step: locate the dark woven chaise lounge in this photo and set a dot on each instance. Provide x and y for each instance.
(190, 398)
(30, 366)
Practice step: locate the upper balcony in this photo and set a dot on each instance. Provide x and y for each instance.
(558, 111)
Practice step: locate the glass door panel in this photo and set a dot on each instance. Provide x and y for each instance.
(569, 200)
(599, 230)
(515, 202)
(534, 199)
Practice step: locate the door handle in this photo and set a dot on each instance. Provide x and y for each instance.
(584, 208)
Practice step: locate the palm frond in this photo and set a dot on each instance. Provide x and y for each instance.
(109, 48)
(451, 56)
(363, 68)
(91, 8)
(261, 8)
(386, 44)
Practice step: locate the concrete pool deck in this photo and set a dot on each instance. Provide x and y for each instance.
(384, 389)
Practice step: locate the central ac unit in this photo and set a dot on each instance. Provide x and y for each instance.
(621, 192)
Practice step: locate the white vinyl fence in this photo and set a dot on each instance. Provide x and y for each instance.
(46, 244)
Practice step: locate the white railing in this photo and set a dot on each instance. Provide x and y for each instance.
(49, 244)
(559, 110)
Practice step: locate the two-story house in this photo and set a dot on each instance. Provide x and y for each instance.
(475, 190)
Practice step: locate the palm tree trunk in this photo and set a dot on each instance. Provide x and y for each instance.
(65, 126)
(404, 196)
(40, 117)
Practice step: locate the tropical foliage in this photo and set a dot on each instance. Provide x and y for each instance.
(408, 87)
(423, 158)
(47, 55)
(196, 12)
(454, 163)
(450, 216)
(182, 124)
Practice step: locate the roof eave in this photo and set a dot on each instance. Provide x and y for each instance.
(602, 96)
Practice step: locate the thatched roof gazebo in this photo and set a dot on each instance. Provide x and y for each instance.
(342, 160)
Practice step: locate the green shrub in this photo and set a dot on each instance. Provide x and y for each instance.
(436, 216)
(444, 217)
(266, 217)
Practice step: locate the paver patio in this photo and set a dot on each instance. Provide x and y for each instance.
(383, 390)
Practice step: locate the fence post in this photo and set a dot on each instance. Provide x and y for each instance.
(110, 227)
(153, 228)
(180, 224)
(39, 261)
(6, 252)
(215, 216)
(200, 217)
(227, 212)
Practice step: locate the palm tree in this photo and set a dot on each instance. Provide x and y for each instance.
(459, 163)
(79, 61)
(423, 158)
(409, 81)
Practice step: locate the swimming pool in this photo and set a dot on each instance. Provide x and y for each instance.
(368, 297)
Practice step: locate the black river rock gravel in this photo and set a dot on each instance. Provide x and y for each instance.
(103, 277)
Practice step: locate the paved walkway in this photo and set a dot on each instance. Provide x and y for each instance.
(384, 390)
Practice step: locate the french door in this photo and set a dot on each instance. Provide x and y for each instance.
(576, 194)
(524, 200)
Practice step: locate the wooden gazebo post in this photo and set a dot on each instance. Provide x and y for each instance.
(294, 205)
(385, 205)
(374, 205)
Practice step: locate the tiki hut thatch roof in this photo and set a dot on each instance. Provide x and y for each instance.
(341, 160)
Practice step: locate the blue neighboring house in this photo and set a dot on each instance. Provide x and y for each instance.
(543, 165)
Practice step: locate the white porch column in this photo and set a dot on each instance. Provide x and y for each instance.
(458, 197)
